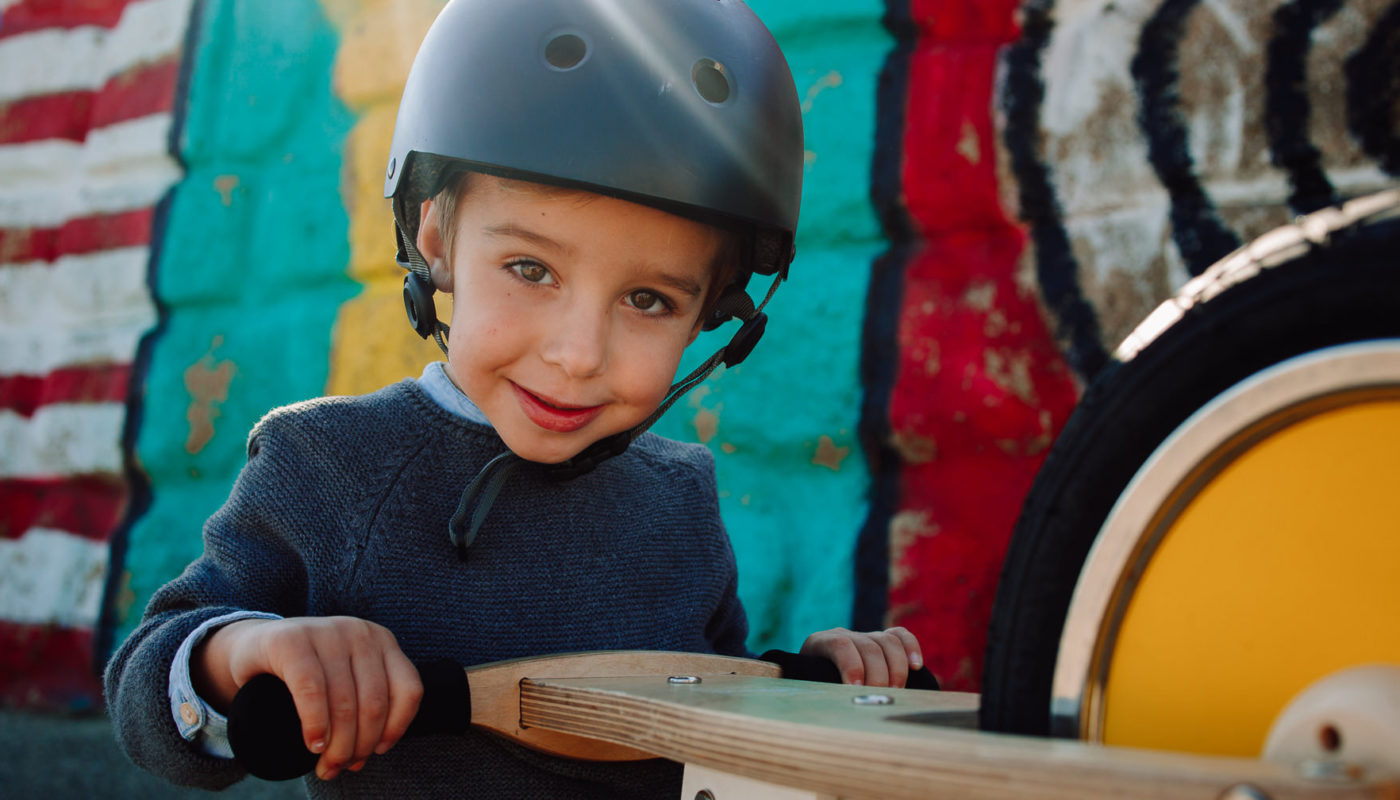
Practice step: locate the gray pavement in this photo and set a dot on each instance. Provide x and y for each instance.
(58, 757)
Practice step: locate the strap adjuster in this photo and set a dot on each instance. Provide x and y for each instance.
(744, 339)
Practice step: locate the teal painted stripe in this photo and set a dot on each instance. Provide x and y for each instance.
(794, 523)
(252, 267)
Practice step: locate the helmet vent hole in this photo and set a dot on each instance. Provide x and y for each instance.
(710, 81)
(565, 51)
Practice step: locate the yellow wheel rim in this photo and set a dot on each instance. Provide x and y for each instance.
(1256, 552)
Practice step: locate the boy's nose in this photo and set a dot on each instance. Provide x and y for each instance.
(578, 343)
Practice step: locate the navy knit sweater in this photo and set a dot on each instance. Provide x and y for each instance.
(343, 508)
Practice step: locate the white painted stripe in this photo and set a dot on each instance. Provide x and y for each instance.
(1360, 180)
(135, 140)
(32, 161)
(38, 351)
(130, 141)
(62, 439)
(1274, 187)
(80, 309)
(1089, 54)
(120, 167)
(38, 204)
(52, 577)
(107, 287)
(76, 59)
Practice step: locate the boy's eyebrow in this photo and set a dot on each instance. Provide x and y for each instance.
(681, 284)
(512, 230)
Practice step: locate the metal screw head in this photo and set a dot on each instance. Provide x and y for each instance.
(685, 679)
(1244, 791)
(873, 700)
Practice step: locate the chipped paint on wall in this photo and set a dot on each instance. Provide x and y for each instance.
(207, 381)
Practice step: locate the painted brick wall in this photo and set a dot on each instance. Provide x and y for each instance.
(995, 192)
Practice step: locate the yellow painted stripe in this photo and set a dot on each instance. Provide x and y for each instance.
(373, 343)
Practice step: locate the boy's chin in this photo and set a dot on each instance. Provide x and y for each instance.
(546, 452)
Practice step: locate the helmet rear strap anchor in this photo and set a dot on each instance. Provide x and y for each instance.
(418, 292)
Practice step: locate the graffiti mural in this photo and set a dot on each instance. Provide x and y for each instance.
(1050, 172)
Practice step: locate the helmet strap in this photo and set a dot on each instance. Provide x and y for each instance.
(740, 305)
(418, 291)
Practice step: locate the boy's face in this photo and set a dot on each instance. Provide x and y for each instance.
(570, 309)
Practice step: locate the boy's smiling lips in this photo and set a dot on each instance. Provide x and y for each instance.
(553, 415)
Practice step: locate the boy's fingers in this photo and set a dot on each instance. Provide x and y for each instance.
(371, 703)
(342, 706)
(896, 659)
(308, 688)
(405, 692)
(872, 654)
(836, 646)
(911, 646)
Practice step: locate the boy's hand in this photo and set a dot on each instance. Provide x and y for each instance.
(354, 689)
(881, 658)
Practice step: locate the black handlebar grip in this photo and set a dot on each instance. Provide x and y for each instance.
(265, 731)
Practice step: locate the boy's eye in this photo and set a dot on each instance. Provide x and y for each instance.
(648, 301)
(532, 272)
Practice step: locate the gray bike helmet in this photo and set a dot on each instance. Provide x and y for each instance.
(684, 105)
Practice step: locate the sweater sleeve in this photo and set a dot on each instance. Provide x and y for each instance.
(728, 628)
(250, 563)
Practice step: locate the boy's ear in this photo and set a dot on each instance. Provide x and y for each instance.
(431, 247)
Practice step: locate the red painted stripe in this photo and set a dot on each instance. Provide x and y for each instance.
(24, 394)
(48, 667)
(981, 392)
(86, 506)
(136, 93)
(27, 16)
(949, 176)
(77, 237)
(966, 21)
(981, 389)
(53, 116)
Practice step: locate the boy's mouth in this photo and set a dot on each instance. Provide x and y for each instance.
(553, 415)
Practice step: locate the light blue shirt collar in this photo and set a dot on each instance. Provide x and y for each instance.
(445, 393)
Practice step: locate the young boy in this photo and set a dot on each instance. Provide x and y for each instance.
(594, 181)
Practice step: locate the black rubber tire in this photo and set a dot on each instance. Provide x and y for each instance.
(1331, 278)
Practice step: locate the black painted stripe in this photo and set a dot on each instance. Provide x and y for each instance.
(879, 356)
(1199, 233)
(1286, 104)
(138, 484)
(1373, 92)
(1075, 320)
